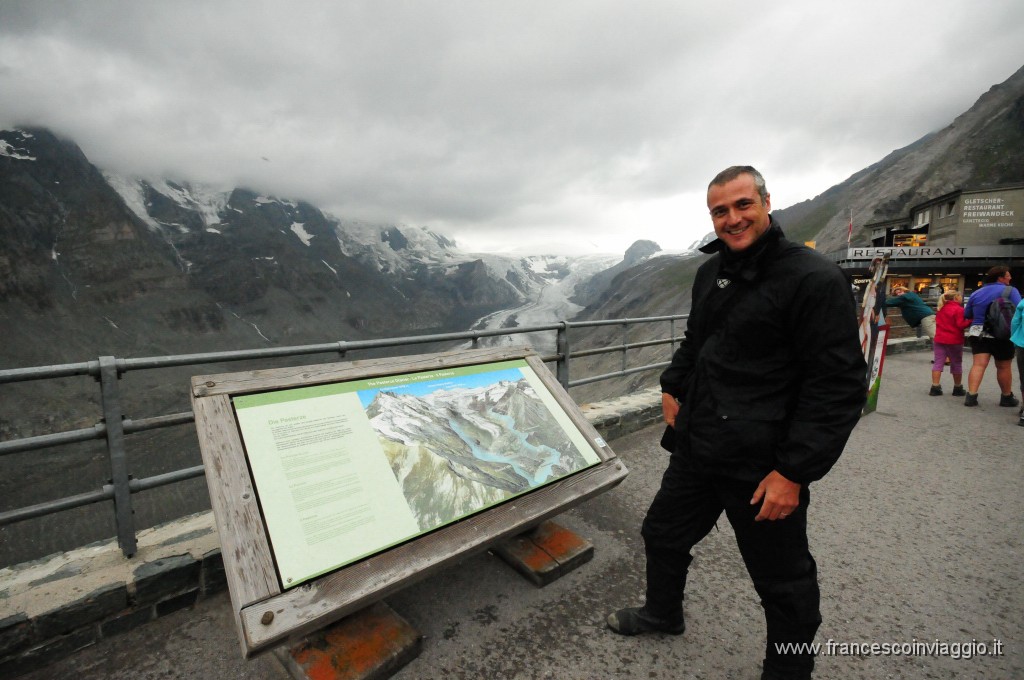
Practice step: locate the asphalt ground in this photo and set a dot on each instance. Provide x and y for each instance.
(917, 533)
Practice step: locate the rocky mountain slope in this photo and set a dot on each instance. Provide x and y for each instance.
(98, 263)
(983, 147)
(591, 291)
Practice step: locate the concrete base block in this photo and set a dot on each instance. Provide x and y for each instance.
(546, 553)
(371, 644)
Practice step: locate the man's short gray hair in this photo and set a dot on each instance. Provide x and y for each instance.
(731, 173)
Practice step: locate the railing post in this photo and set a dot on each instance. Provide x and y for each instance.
(672, 337)
(113, 418)
(562, 349)
(625, 342)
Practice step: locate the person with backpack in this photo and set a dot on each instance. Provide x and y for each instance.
(1017, 338)
(989, 334)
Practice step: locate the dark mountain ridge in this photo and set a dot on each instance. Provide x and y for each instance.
(93, 264)
(981, 148)
(83, 269)
(596, 288)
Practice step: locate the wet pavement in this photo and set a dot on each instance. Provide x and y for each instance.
(916, 532)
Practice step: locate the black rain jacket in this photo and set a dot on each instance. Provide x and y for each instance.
(770, 374)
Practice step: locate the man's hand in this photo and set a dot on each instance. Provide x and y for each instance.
(781, 497)
(669, 408)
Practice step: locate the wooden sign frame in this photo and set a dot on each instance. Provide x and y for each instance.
(266, 614)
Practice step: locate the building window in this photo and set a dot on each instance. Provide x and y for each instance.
(950, 207)
(909, 240)
(922, 218)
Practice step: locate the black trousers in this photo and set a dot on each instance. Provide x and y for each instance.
(685, 509)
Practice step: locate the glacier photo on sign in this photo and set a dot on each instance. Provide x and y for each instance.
(461, 444)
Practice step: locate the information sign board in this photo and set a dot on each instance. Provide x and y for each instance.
(345, 470)
(353, 479)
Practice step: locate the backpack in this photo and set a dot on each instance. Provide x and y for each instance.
(998, 315)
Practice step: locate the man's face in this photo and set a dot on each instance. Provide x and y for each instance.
(737, 212)
(1005, 278)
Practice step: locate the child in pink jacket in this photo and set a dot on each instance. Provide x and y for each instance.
(949, 342)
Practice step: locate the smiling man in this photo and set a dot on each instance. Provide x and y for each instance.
(762, 395)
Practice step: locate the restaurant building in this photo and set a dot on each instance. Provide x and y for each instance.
(946, 243)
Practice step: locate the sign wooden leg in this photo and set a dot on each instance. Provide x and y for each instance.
(372, 644)
(545, 553)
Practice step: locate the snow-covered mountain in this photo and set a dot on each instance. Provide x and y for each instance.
(179, 211)
(105, 264)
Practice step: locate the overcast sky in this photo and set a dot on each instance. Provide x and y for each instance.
(512, 124)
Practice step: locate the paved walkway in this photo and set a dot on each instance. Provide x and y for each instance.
(917, 533)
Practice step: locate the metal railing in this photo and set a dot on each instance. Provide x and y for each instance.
(115, 426)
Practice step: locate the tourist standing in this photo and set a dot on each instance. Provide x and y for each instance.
(762, 395)
(949, 343)
(984, 347)
(1017, 337)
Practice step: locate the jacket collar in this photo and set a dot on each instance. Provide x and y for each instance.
(746, 264)
(717, 246)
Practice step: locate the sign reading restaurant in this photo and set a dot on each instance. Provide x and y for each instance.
(924, 252)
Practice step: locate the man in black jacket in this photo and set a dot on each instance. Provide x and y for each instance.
(762, 395)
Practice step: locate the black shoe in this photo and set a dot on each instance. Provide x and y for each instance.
(935, 391)
(1009, 400)
(959, 391)
(774, 674)
(1021, 421)
(971, 400)
(635, 620)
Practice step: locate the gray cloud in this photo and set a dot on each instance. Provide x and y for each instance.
(502, 123)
